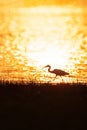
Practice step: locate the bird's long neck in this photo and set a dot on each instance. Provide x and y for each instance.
(49, 69)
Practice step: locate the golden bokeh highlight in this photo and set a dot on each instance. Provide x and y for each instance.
(36, 36)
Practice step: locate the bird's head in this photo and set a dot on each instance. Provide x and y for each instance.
(47, 66)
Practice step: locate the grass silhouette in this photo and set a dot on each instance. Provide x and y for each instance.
(43, 106)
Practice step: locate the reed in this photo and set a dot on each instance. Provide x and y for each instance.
(43, 106)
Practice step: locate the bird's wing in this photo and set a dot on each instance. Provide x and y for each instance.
(60, 72)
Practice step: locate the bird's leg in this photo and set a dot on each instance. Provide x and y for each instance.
(62, 79)
(54, 77)
(70, 78)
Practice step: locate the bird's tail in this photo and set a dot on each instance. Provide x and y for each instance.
(72, 76)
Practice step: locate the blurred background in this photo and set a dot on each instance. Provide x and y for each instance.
(35, 33)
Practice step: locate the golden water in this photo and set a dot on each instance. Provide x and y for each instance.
(31, 38)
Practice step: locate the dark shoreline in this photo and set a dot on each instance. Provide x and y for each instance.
(43, 106)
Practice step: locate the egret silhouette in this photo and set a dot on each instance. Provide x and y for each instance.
(57, 72)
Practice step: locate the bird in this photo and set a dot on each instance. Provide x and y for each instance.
(57, 72)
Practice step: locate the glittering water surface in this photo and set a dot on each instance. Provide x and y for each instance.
(31, 38)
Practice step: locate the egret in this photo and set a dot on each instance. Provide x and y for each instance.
(57, 72)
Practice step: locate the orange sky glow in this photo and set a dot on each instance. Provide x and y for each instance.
(28, 3)
(54, 2)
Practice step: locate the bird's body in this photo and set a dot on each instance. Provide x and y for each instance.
(57, 72)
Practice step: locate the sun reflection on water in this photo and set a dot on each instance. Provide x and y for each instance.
(35, 37)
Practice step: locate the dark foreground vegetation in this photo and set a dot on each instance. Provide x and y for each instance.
(43, 106)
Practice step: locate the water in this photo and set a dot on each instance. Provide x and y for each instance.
(31, 38)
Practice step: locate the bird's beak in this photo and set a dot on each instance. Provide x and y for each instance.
(44, 67)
